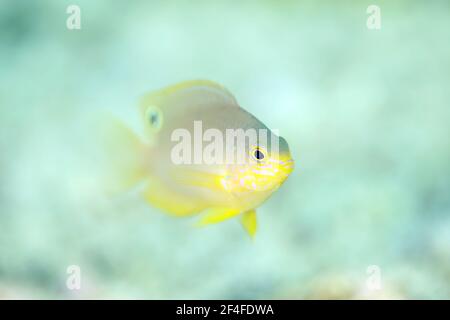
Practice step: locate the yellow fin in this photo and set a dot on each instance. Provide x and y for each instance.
(171, 202)
(121, 154)
(185, 94)
(248, 221)
(216, 215)
(198, 178)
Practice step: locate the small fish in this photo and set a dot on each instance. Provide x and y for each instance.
(218, 191)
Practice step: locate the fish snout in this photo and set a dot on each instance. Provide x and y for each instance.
(287, 166)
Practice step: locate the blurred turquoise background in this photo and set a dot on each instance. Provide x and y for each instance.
(366, 114)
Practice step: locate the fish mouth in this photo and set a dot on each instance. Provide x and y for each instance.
(284, 165)
(287, 166)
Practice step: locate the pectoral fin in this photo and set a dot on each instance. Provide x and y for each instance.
(197, 178)
(216, 215)
(162, 197)
(248, 221)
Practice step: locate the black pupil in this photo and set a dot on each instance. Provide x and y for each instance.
(153, 118)
(259, 155)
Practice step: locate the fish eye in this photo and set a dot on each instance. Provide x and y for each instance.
(154, 117)
(258, 154)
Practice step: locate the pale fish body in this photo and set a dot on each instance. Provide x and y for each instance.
(217, 190)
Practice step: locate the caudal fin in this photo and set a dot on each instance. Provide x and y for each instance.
(122, 155)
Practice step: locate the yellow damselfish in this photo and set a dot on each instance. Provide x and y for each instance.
(216, 189)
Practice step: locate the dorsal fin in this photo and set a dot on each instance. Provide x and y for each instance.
(189, 93)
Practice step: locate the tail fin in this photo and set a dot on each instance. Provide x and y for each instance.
(122, 155)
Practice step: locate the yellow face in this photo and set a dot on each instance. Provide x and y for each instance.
(264, 171)
(272, 171)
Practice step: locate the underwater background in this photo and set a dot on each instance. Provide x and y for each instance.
(365, 112)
